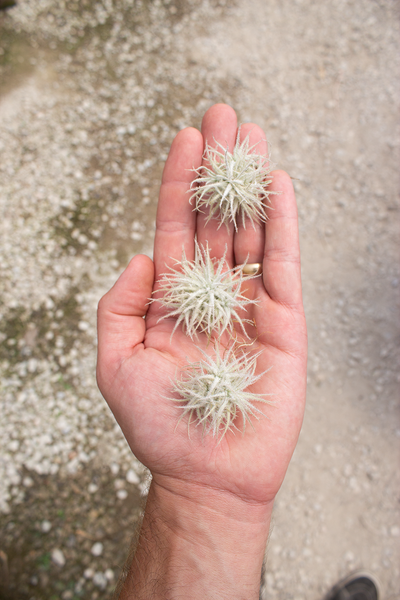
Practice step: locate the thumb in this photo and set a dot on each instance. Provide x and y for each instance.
(120, 323)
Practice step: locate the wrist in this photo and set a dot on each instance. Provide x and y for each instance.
(199, 539)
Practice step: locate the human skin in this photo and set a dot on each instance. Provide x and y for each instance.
(208, 511)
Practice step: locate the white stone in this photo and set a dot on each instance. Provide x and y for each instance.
(349, 556)
(13, 446)
(100, 580)
(114, 468)
(45, 526)
(97, 549)
(58, 557)
(132, 477)
(88, 573)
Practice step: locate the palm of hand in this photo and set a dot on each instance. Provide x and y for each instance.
(138, 359)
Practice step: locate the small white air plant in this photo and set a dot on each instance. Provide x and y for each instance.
(204, 295)
(234, 185)
(213, 390)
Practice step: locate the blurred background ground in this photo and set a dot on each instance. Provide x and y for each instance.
(92, 94)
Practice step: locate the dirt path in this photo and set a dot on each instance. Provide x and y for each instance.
(92, 94)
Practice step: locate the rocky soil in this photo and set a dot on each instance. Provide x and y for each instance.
(92, 94)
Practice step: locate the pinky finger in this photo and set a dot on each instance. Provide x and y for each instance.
(281, 265)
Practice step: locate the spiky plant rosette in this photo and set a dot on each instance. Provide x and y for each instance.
(234, 185)
(213, 390)
(204, 295)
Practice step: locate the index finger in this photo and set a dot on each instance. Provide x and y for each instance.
(176, 220)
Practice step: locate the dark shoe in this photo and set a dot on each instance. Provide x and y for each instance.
(358, 586)
(7, 4)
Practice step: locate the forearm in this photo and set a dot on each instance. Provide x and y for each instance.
(198, 544)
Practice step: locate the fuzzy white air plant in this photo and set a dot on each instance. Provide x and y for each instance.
(213, 390)
(204, 295)
(234, 185)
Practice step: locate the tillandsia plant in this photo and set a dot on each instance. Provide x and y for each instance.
(204, 295)
(213, 390)
(234, 185)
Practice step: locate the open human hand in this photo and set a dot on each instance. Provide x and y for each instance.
(138, 359)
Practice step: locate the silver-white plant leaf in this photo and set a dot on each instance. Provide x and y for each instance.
(234, 186)
(213, 390)
(204, 295)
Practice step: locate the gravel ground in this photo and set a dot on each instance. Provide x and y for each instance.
(92, 95)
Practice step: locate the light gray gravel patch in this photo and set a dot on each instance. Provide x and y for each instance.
(81, 161)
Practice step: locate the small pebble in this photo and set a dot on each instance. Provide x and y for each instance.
(88, 573)
(45, 526)
(13, 446)
(395, 531)
(114, 468)
(349, 556)
(58, 557)
(100, 580)
(131, 477)
(97, 549)
(92, 488)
